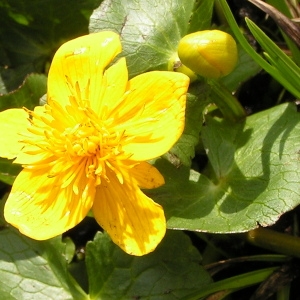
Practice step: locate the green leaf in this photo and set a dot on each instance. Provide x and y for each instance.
(285, 78)
(232, 284)
(201, 16)
(2, 86)
(34, 270)
(172, 271)
(245, 69)
(253, 176)
(28, 95)
(31, 31)
(284, 7)
(285, 66)
(8, 171)
(150, 29)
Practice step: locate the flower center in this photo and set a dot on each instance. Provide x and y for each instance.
(75, 143)
(84, 139)
(96, 148)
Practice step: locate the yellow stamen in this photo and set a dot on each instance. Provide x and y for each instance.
(86, 147)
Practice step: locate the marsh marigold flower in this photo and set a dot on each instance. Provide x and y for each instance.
(87, 148)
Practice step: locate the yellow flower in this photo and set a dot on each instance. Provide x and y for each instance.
(86, 148)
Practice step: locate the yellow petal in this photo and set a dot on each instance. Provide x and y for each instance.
(12, 122)
(147, 176)
(133, 221)
(78, 65)
(113, 86)
(153, 113)
(40, 209)
(33, 153)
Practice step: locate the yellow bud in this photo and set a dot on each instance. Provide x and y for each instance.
(209, 53)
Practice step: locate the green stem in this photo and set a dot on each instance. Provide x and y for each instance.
(232, 284)
(284, 293)
(275, 241)
(226, 102)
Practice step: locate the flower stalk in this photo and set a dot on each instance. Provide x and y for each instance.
(229, 106)
(275, 241)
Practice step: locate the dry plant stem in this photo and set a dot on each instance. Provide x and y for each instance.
(288, 26)
(275, 241)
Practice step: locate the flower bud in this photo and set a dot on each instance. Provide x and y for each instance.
(209, 53)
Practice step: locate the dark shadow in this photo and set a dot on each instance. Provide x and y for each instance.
(274, 141)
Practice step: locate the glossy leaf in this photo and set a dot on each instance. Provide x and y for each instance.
(172, 271)
(201, 16)
(150, 30)
(27, 95)
(245, 69)
(30, 32)
(34, 270)
(253, 176)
